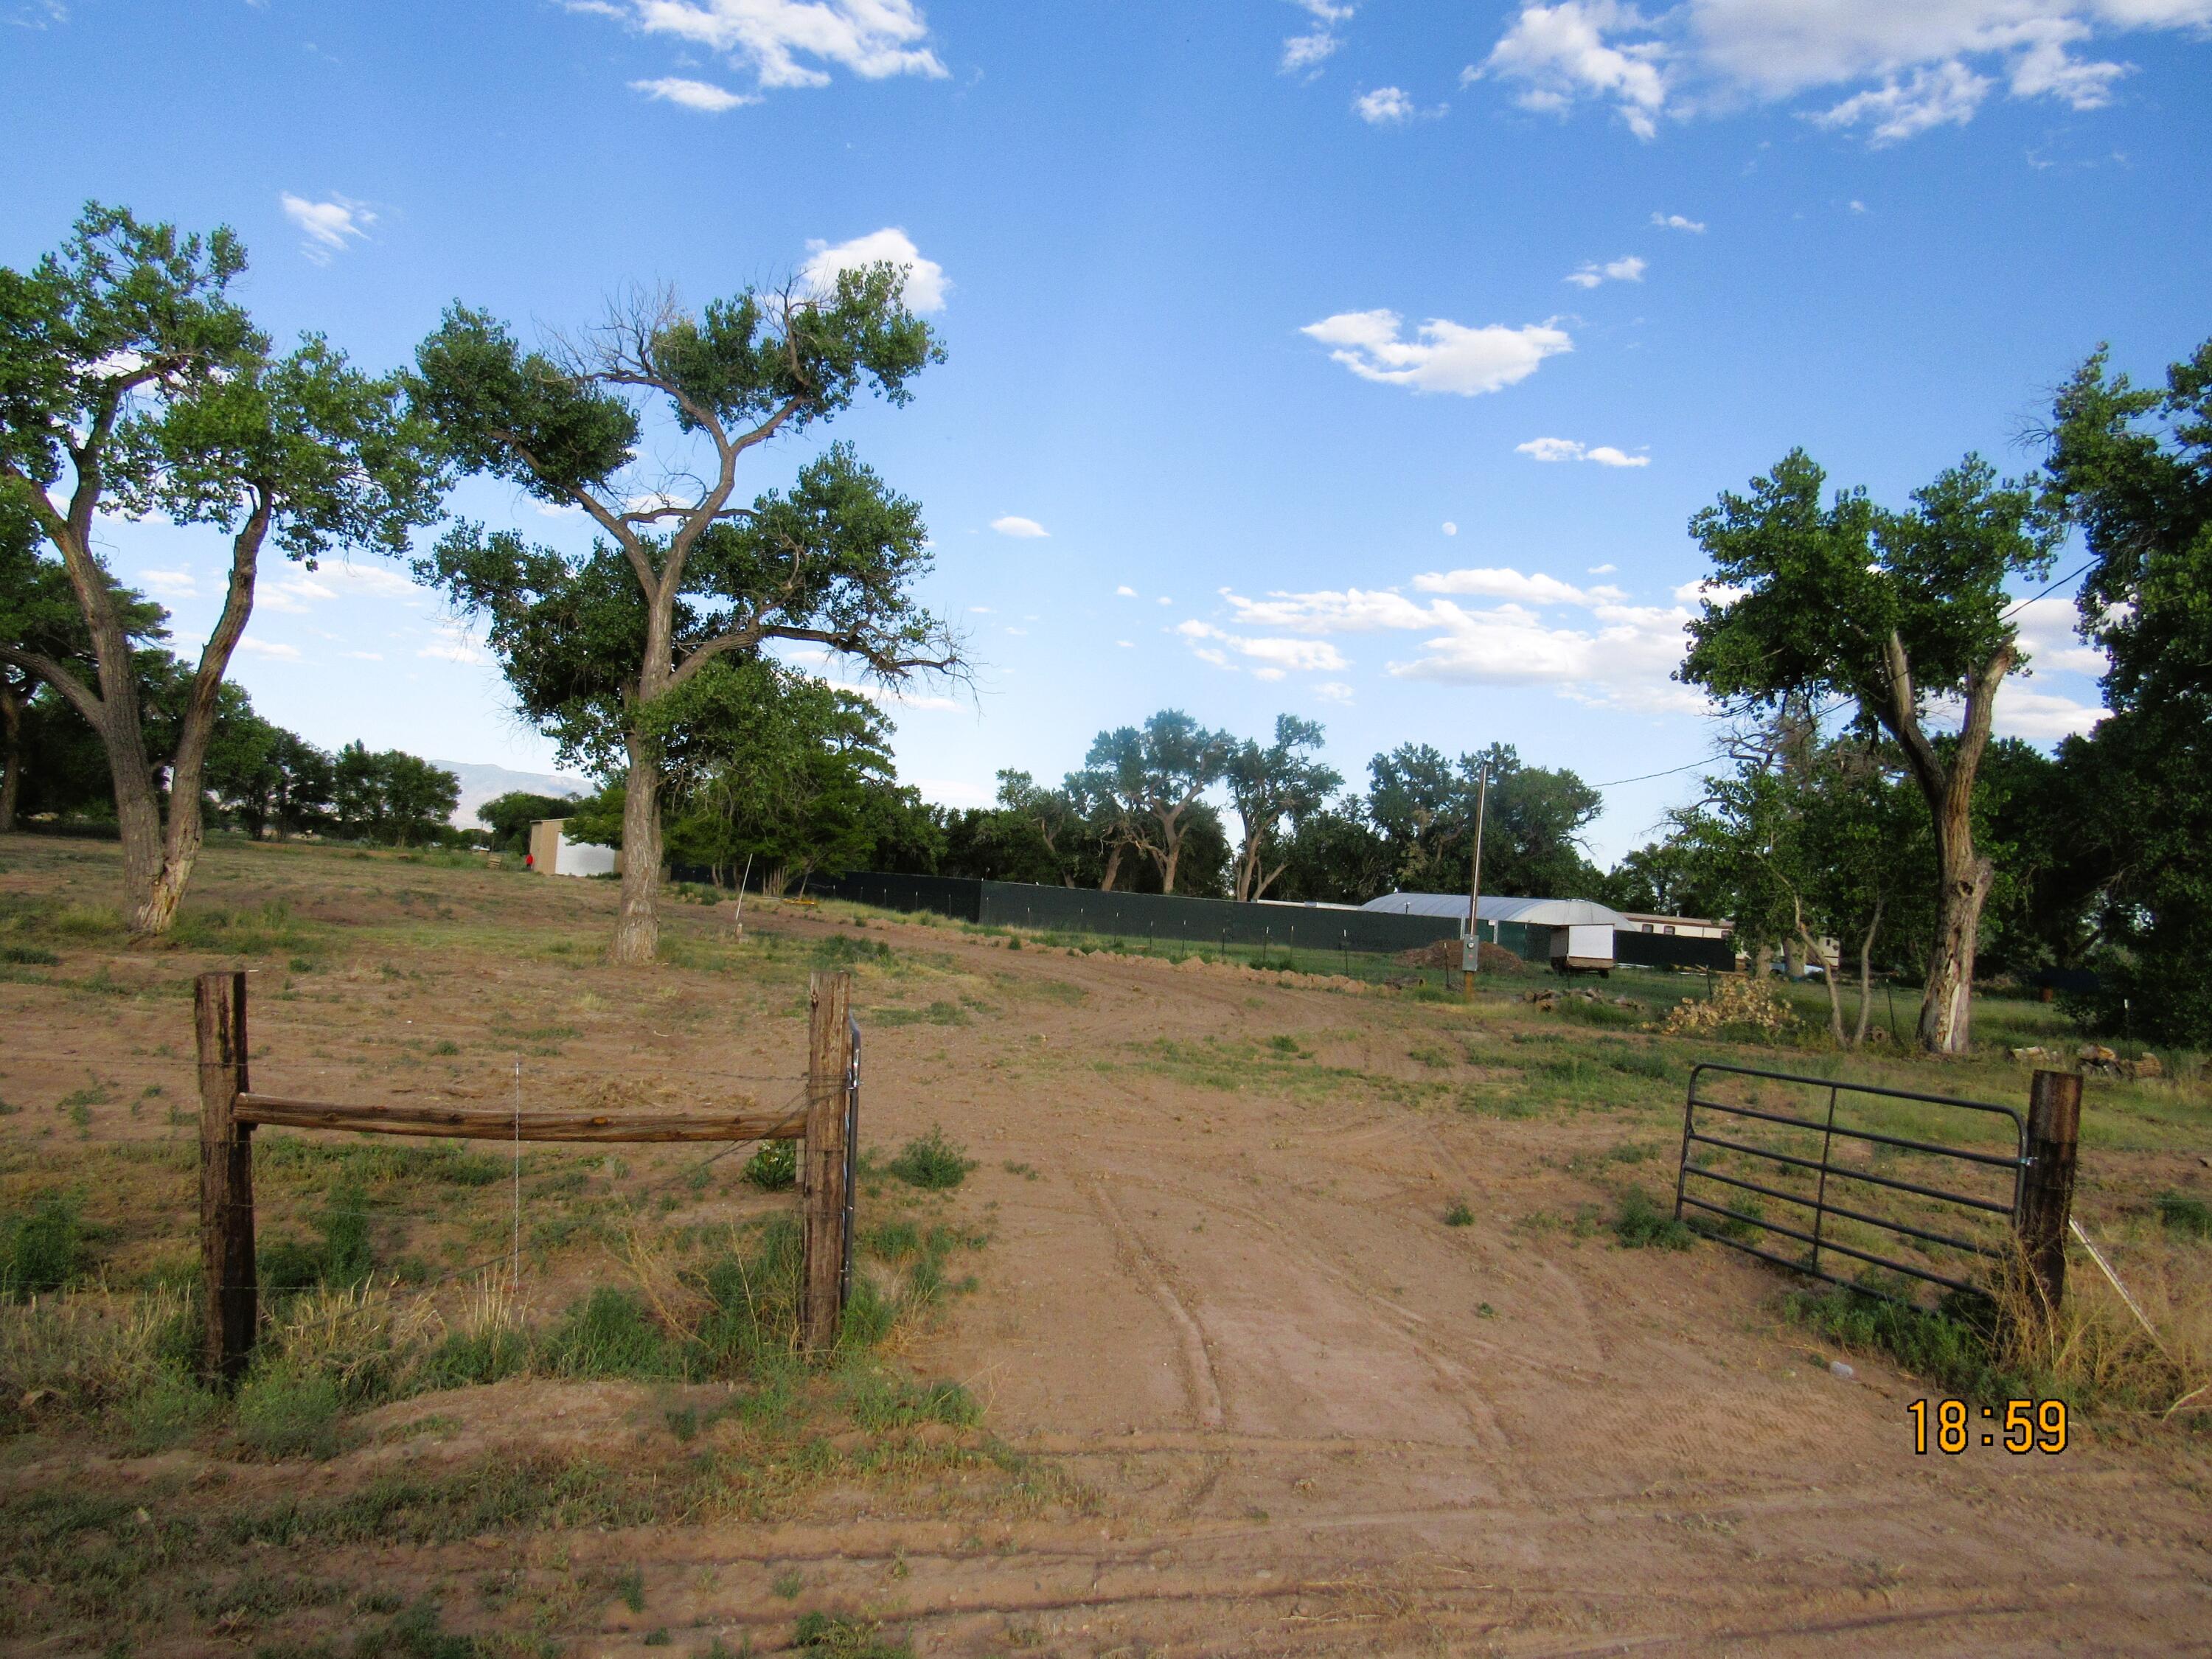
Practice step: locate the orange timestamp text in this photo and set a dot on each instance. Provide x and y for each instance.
(2020, 1426)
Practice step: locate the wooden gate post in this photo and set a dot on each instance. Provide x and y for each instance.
(226, 1178)
(821, 1172)
(2054, 1130)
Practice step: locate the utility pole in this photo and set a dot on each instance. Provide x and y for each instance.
(1471, 960)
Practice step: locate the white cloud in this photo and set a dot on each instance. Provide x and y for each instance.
(1561, 52)
(1450, 529)
(1676, 221)
(979, 610)
(1446, 357)
(1164, 600)
(1501, 584)
(1607, 455)
(2041, 716)
(1335, 690)
(1903, 67)
(1126, 645)
(1603, 570)
(2047, 633)
(1626, 269)
(925, 283)
(329, 225)
(363, 656)
(1384, 107)
(453, 642)
(702, 95)
(784, 43)
(1278, 656)
(276, 653)
(1020, 528)
(1858, 207)
(1613, 653)
(170, 583)
(1567, 449)
(1125, 591)
(1947, 95)
(1303, 53)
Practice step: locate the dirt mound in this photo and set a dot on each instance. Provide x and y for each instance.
(1445, 953)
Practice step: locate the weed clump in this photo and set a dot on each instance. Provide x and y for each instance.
(42, 1250)
(1459, 1215)
(774, 1167)
(1642, 1224)
(2183, 1214)
(932, 1163)
(835, 1637)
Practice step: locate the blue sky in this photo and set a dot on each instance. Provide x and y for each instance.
(1363, 361)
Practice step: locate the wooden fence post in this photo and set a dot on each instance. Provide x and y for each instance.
(2054, 1130)
(226, 1178)
(821, 1172)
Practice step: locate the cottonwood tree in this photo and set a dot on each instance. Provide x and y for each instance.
(1891, 611)
(1424, 805)
(682, 574)
(1143, 783)
(2133, 465)
(1052, 816)
(131, 383)
(1284, 781)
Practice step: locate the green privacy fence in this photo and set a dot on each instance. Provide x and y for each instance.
(1163, 919)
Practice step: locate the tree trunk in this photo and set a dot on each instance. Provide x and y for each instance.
(1113, 867)
(11, 758)
(1946, 1012)
(637, 927)
(1866, 975)
(1168, 864)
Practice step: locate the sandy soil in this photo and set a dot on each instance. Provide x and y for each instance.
(1312, 1418)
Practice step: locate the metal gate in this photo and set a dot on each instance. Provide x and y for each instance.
(1932, 1222)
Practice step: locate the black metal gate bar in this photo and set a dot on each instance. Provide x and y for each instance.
(1825, 1166)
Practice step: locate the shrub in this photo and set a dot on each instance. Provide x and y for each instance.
(774, 1166)
(1642, 1224)
(1459, 1215)
(1739, 1002)
(932, 1163)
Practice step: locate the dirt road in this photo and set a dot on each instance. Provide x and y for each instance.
(1296, 1412)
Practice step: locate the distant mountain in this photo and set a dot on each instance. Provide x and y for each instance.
(482, 783)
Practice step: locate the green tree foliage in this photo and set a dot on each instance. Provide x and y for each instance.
(1424, 807)
(776, 770)
(132, 382)
(1844, 599)
(391, 797)
(1141, 786)
(1808, 841)
(509, 816)
(1286, 782)
(684, 575)
(2133, 465)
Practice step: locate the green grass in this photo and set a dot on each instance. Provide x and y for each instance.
(1459, 1215)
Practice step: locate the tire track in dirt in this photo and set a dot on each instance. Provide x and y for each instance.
(1201, 1387)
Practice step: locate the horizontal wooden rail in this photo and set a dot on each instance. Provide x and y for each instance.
(488, 1123)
